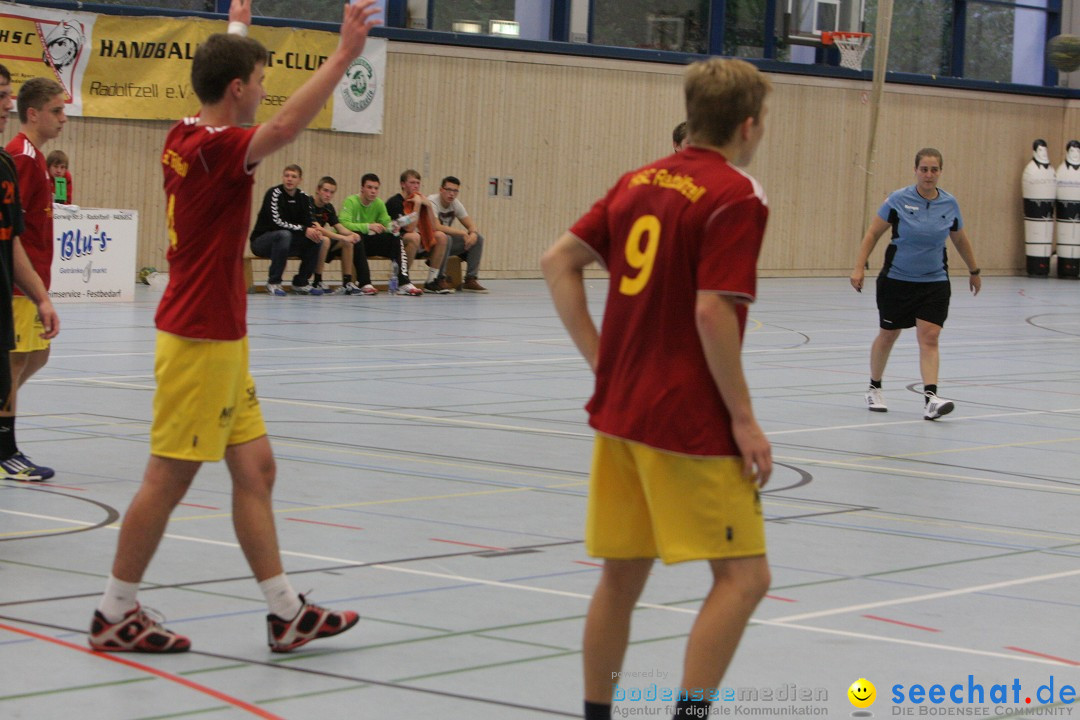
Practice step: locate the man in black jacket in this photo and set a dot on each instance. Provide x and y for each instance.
(286, 229)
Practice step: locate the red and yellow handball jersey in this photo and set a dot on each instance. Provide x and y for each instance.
(685, 224)
(208, 200)
(36, 191)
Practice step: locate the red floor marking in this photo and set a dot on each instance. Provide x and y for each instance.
(204, 507)
(900, 622)
(48, 485)
(455, 542)
(235, 702)
(781, 599)
(1042, 655)
(316, 522)
(590, 564)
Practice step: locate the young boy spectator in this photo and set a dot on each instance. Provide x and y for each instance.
(466, 243)
(678, 459)
(366, 214)
(41, 106)
(205, 406)
(421, 239)
(285, 229)
(338, 241)
(58, 169)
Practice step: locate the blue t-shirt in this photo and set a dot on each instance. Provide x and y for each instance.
(920, 228)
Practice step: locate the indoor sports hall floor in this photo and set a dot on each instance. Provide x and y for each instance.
(432, 456)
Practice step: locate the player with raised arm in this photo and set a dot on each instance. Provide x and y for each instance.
(205, 406)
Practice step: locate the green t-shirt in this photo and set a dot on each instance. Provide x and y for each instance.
(355, 216)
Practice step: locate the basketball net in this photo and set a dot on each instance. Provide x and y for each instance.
(852, 47)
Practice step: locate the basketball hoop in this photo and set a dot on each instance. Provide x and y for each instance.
(852, 46)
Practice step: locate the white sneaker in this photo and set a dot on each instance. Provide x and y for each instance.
(936, 407)
(410, 289)
(321, 286)
(875, 401)
(349, 288)
(368, 289)
(275, 289)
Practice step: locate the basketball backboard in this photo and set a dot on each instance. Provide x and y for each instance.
(805, 20)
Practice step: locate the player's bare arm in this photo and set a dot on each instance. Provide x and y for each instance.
(877, 229)
(26, 278)
(563, 265)
(717, 323)
(304, 104)
(967, 252)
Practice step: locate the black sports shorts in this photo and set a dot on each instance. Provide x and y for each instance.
(900, 303)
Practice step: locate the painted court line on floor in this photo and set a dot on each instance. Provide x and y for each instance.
(972, 589)
(216, 694)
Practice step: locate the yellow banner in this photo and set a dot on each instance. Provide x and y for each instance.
(141, 67)
(24, 36)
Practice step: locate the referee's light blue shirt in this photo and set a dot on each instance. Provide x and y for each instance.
(920, 228)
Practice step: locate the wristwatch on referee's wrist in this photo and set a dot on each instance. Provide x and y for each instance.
(976, 271)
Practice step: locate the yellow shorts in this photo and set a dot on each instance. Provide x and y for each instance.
(28, 327)
(205, 399)
(647, 503)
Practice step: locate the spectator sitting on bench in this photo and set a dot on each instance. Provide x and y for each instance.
(285, 229)
(465, 242)
(366, 214)
(337, 241)
(429, 244)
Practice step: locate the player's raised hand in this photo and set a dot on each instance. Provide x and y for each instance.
(358, 21)
(240, 11)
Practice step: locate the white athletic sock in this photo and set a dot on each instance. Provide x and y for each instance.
(432, 273)
(280, 597)
(118, 600)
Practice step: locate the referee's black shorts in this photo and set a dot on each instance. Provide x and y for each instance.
(900, 303)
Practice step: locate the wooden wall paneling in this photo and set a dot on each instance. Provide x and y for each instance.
(565, 128)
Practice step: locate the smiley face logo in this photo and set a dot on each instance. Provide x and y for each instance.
(862, 693)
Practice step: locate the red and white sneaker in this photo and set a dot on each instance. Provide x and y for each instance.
(139, 631)
(311, 623)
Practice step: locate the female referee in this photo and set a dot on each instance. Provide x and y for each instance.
(913, 288)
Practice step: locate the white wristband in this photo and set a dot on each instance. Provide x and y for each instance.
(238, 28)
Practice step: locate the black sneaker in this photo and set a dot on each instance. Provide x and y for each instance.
(20, 467)
(436, 288)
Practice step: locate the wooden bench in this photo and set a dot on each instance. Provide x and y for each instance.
(380, 272)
